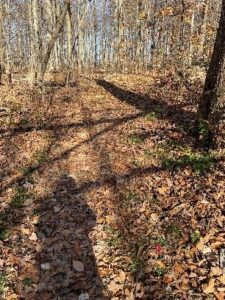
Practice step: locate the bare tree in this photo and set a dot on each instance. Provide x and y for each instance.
(210, 95)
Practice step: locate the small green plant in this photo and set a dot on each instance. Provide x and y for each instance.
(23, 123)
(41, 157)
(203, 128)
(27, 281)
(195, 237)
(199, 162)
(36, 212)
(137, 164)
(115, 237)
(3, 282)
(133, 197)
(162, 241)
(134, 139)
(173, 145)
(135, 265)
(159, 271)
(3, 234)
(151, 116)
(27, 171)
(19, 198)
(173, 229)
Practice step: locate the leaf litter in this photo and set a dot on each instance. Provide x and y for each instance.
(112, 199)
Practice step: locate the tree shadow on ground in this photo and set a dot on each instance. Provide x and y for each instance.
(66, 260)
(175, 113)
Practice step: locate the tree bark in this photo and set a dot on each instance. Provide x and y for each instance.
(55, 34)
(209, 97)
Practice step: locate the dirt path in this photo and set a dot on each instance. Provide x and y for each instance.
(91, 206)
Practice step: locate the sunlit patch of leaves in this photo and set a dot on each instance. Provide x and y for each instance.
(20, 197)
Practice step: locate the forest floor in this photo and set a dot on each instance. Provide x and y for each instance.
(103, 195)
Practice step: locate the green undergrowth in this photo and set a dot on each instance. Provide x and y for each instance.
(174, 156)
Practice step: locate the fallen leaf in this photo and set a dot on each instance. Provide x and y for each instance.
(12, 297)
(222, 279)
(210, 287)
(114, 287)
(216, 271)
(25, 231)
(178, 268)
(219, 295)
(77, 248)
(162, 190)
(33, 237)
(160, 264)
(121, 277)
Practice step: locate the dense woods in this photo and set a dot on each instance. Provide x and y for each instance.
(112, 158)
(124, 36)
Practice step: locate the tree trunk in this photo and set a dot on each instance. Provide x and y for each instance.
(209, 97)
(55, 34)
(2, 48)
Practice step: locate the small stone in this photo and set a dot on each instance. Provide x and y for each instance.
(57, 209)
(28, 202)
(45, 266)
(84, 296)
(78, 266)
(222, 259)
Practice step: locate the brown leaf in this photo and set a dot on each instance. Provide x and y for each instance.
(219, 295)
(216, 271)
(114, 287)
(77, 248)
(178, 268)
(222, 279)
(12, 297)
(33, 237)
(210, 287)
(121, 277)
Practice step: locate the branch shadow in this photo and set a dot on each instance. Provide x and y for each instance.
(174, 113)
